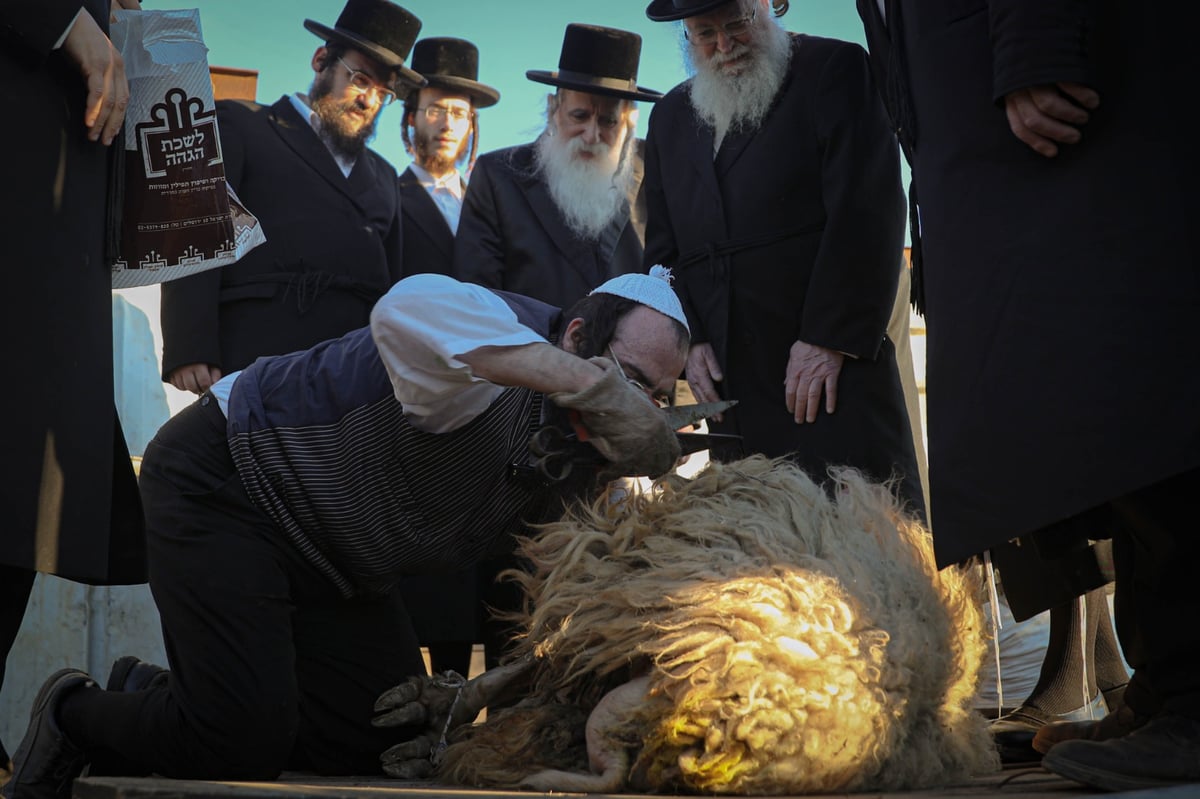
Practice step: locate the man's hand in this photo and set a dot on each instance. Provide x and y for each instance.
(195, 377)
(811, 370)
(1049, 115)
(440, 704)
(703, 372)
(623, 424)
(104, 72)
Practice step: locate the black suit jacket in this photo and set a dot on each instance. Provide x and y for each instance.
(333, 246)
(513, 237)
(428, 240)
(792, 232)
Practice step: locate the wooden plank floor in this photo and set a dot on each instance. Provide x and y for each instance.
(1021, 783)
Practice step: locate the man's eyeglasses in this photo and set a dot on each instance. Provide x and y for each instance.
(660, 398)
(434, 114)
(732, 30)
(362, 83)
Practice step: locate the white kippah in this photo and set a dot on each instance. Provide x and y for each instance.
(653, 290)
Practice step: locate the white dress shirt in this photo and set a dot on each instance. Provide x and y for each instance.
(446, 192)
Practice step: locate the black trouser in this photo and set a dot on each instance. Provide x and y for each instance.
(16, 585)
(271, 668)
(1156, 553)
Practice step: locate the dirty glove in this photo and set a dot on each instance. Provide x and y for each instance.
(423, 701)
(624, 425)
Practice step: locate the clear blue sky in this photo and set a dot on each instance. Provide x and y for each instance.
(512, 36)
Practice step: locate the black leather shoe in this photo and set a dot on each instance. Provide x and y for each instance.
(1119, 722)
(46, 763)
(1014, 732)
(1164, 751)
(130, 674)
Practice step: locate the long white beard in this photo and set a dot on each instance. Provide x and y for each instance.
(590, 193)
(732, 102)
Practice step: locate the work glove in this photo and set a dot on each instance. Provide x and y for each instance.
(623, 424)
(420, 701)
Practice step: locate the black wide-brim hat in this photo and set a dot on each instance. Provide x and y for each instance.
(598, 60)
(671, 10)
(379, 28)
(453, 65)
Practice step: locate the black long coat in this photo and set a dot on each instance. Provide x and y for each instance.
(812, 204)
(1060, 316)
(333, 246)
(428, 240)
(512, 236)
(69, 500)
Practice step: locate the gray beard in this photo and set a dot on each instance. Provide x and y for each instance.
(740, 102)
(590, 194)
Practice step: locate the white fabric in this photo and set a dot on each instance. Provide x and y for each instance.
(421, 326)
(58, 44)
(300, 103)
(653, 289)
(446, 193)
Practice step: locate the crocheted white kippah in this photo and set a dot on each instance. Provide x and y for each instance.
(653, 289)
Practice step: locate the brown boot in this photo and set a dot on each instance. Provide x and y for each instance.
(1117, 723)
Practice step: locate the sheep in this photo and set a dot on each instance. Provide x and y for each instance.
(746, 631)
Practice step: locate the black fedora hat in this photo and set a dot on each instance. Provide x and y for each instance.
(379, 28)
(670, 10)
(598, 60)
(453, 64)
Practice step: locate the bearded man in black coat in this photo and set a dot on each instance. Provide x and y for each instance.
(773, 189)
(328, 205)
(555, 218)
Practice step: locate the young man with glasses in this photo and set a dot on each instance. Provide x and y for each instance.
(441, 132)
(328, 205)
(773, 190)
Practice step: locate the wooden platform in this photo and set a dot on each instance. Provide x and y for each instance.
(1022, 783)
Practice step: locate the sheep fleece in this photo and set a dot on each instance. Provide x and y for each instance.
(795, 640)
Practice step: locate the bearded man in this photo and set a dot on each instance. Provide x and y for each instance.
(554, 218)
(328, 205)
(773, 189)
(441, 133)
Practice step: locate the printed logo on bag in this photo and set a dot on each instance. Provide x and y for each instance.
(181, 132)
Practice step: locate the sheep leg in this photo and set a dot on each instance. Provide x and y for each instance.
(607, 757)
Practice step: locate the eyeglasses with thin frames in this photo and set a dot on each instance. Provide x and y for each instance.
(362, 83)
(434, 114)
(732, 30)
(660, 398)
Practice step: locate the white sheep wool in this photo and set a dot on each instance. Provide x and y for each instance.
(742, 632)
